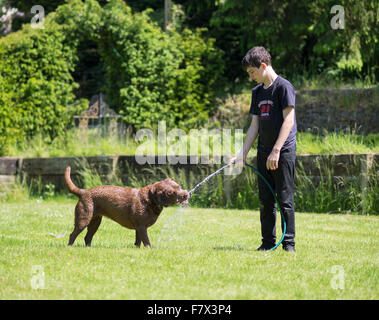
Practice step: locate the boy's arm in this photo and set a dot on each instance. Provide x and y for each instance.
(251, 135)
(288, 122)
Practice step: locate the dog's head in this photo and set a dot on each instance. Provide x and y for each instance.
(167, 192)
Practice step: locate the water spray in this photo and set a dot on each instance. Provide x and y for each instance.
(207, 178)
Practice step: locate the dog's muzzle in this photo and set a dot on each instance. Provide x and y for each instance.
(183, 197)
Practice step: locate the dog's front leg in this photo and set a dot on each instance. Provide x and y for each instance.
(141, 231)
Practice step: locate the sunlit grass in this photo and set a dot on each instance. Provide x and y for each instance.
(308, 143)
(196, 254)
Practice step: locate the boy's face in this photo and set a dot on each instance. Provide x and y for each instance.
(256, 74)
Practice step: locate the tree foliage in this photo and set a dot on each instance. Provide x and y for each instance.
(150, 75)
(297, 33)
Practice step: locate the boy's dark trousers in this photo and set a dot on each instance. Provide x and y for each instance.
(282, 181)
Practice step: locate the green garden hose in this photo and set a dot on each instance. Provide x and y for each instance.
(277, 201)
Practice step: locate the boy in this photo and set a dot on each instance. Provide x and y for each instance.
(274, 121)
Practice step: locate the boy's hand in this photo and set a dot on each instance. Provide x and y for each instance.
(238, 161)
(272, 162)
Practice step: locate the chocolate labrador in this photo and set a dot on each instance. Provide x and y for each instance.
(133, 208)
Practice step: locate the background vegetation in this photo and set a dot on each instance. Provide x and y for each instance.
(298, 34)
(187, 75)
(119, 47)
(147, 74)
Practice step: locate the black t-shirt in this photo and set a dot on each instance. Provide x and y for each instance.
(268, 104)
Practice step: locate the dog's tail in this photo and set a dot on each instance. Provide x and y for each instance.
(70, 185)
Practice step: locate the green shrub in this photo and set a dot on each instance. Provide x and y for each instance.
(37, 86)
(153, 75)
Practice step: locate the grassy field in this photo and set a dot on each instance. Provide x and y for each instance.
(196, 254)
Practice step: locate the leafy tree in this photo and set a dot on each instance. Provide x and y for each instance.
(150, 75)
(299, 36)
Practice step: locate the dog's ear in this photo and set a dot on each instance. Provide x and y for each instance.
(152, 191)
(156, 195)
(165, 194)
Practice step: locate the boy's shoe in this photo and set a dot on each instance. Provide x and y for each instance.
(264, 248)
(289, 248)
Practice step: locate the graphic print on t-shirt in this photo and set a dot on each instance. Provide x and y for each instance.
(265, 106)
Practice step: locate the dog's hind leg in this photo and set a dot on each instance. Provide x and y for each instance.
(74, 234)
(92, 228)
(83, 216)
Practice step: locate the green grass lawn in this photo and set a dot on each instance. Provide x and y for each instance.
(200, 254)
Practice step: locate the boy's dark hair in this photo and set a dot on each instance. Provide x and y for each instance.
(255, 56)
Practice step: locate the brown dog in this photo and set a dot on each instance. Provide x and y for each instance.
(133, 208)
